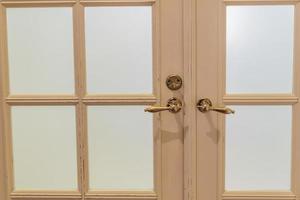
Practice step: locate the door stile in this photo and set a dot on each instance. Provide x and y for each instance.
(208, 136)
(5, 110)
(171, 51)
(190, 113)
(80, 89)
(295, 176)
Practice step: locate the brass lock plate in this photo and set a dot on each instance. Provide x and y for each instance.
(174, 82)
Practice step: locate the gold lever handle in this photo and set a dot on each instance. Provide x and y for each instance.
(205, 105)
(174, 105)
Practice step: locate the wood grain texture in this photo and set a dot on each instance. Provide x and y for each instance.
(190, 113)
(207, 87)
(3, 93)
(211, 61)
(168, 139)
(295, 176)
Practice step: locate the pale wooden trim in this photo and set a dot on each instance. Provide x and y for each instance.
(295, 175)
(155, 98)
(221, 70)
(6, 109)
(121, 195)
(54, 197)
(260, 2)
(259, 195)
(80, 91)
(81, 101)
(116, 99)
(4, 182)
(85, 150)
(171, 126)
(190, 84)
(117, 2)
(260, 99)
(41, 100)
(45, 195)
(207, 20)
(33, 3)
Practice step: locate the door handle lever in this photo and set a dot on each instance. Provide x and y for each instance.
(205, 105)
(174, 105)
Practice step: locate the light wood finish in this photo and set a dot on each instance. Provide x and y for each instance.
(295, 182)
(258, 196)
(260, 99)
(119, 99)
(206, 30)
(117, 3)
(46, 100)
(190, 99)
(3, 92)
(121, 195)
(260, 2)
(21, 4)
(45, 195)
(171, 126)
(5, 108)
(210, 60)
(168, 128)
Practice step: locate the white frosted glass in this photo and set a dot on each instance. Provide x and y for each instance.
(119, 49)
(40, 50)
(260, 49)
(44, 147)
(120, 148)
(258, 148)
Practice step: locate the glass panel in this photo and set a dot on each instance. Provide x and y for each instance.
(40, 50)
(260, 49)
(44, 147)
(120, 148)
(119, 49)
(258, 148)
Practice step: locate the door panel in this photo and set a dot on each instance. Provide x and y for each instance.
(121, 42)
(258, 150)
(44, 136)
(75, 79)
(40, 50)
(120, 148)
(259, 53)
(247, 60)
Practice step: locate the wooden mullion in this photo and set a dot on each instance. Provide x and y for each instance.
(80, 82)
(8, 178)
(117, 3)
(24, 4)
(121, 100)
(260, 2)
(295, 172)
(261, 99)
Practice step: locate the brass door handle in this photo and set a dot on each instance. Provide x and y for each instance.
(205, 105)
(174, 105)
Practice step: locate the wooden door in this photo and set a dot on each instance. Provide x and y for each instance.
(76, 76)
(245, 57)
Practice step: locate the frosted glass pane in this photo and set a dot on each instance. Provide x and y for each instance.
(260, 49)
(120, 148)
(44, 147)
(258, 148)
(40, 50)
(119, 49)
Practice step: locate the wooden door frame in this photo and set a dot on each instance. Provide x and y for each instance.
(168, 52)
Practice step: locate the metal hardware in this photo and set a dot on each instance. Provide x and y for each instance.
(174, 105)
(205, 105)
(174, 82)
